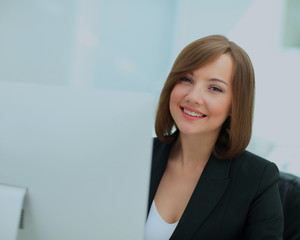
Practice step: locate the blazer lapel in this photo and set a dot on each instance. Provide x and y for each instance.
(208, 192)
(159, 163)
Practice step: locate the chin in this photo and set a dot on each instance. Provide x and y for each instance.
(192, 132)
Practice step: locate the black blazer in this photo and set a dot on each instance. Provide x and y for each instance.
(233, 199)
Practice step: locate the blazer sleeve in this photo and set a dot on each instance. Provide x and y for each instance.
(265, 216)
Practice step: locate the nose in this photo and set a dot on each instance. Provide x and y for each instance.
(195, 95)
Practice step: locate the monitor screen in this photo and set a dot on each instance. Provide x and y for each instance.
(83, 156)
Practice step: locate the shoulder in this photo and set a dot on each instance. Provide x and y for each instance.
(160, 152)
(255, 170)
(157, 143)
(250, 158)
(159, 147)
(257, 184)
(248, 161)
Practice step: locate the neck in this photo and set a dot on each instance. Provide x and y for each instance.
(193, 150)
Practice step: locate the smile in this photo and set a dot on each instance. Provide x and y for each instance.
(193, 114)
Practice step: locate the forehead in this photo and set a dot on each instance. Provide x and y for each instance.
(221, 67)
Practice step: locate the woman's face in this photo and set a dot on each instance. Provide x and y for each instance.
(201, 101)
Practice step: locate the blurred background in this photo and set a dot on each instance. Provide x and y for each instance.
(130, 45)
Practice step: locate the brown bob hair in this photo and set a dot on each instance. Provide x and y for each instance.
(236, 131)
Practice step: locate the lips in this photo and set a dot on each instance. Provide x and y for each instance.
(192, 113)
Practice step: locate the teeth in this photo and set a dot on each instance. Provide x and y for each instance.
(193, 113)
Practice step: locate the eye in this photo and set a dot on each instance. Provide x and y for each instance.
(216, 89)
(186, 79)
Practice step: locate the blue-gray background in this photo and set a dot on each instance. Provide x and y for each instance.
(131, 44)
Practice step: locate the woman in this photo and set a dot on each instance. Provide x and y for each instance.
(204, 184)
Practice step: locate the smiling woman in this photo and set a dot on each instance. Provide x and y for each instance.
(204, 94)
(204, 184)
(199, 53)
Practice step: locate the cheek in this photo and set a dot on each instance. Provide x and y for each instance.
(227, 109)
(172, 103)
(175, 96)
(222, 107)
(175, 99)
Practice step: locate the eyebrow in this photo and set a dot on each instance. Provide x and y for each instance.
(213, 79)
(218, 80)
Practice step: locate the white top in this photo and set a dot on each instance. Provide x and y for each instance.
(156, 228)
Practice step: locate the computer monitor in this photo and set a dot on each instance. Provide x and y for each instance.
(83, 156)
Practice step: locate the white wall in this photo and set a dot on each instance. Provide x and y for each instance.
(86, 43)
(276, 122)
(258, 27)
(131, 45)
